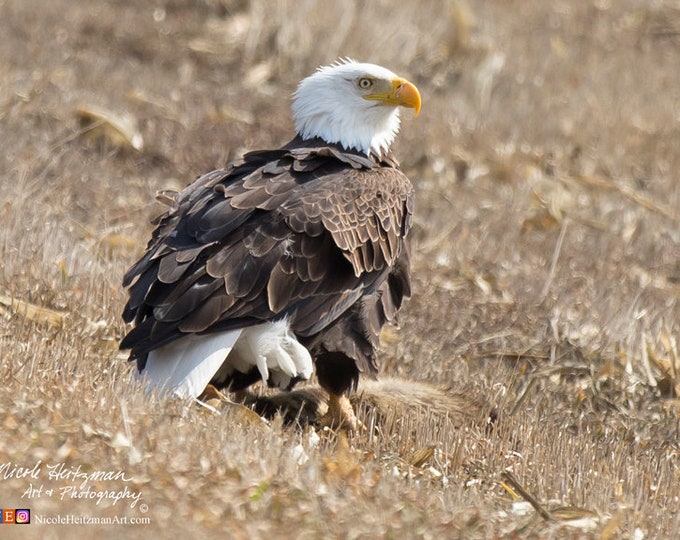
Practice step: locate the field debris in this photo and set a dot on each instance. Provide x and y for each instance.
(572, 516)
(33, 312)
(102, 125)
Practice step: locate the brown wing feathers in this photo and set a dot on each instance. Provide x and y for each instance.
(310, 233)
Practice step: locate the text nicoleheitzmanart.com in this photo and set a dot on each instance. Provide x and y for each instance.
(78, 478)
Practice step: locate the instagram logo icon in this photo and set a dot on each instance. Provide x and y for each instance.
(22, 516)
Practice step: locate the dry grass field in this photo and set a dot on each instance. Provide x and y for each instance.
(546, 269)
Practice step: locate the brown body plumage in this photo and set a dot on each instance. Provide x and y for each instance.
(311, 233)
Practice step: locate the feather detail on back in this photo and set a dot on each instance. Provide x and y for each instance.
(310, 233)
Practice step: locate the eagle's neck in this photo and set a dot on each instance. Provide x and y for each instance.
(369, 130)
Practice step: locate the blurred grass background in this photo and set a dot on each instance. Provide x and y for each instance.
(546, 256)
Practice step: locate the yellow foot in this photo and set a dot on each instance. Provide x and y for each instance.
(211, 392)
(340, 415)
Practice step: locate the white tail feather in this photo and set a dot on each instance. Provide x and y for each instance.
(186, 365)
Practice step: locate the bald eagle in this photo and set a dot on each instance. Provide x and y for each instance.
(287, 259)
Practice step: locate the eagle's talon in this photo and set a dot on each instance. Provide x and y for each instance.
(340, 415)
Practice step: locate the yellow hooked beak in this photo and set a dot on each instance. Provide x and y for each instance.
(403, 93)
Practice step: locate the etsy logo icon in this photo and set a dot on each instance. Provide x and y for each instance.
(7, 515)
(22, 516)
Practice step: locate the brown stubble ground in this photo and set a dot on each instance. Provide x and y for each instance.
(546, 273)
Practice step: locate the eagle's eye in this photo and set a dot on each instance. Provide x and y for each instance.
(365, 83)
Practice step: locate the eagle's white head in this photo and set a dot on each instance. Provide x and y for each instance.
(353, 104)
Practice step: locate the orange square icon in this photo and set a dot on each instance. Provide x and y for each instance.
(7, 515)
